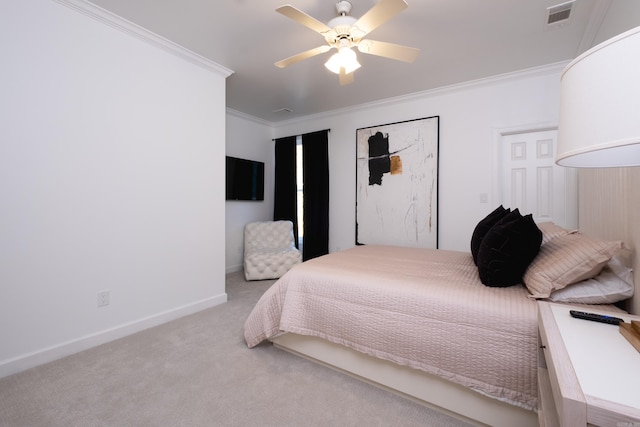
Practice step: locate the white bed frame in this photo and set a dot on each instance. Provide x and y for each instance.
(428, 389)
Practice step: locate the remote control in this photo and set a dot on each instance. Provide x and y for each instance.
(596, 317)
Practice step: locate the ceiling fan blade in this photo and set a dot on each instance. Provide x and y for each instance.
(345, 79)
(388, 50)
(304, 19)
(303, 55)
(378, 15)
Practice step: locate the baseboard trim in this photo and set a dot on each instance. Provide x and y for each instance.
(233, 269)
(46, 355)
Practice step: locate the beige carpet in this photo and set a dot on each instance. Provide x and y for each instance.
(197, 371)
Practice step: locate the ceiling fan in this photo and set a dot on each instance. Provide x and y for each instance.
(344, 32)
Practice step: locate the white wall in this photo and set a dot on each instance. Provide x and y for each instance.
(111, 177)
(472, 115)
(471, 118)
(251, 139)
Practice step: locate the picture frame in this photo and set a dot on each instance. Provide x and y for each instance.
(397, 183)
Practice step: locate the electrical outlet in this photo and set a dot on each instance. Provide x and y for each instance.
(103, 298)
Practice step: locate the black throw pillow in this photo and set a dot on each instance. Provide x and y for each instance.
(508, 249)
(483, 228)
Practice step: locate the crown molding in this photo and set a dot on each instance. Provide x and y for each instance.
(245, 116)
(553, 68)
(102, 15)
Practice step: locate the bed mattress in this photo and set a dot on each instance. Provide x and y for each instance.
(422, 308)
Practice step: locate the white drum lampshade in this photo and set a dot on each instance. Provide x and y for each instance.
(600, 106)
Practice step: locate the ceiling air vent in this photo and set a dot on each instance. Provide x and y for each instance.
(559, 13)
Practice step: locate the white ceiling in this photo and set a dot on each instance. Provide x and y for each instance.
(459, 40)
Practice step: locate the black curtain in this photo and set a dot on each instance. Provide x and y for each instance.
(315, 158)
(285, 188)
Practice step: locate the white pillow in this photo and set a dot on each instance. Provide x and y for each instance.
(613, 284)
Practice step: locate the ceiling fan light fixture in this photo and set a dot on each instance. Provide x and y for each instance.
(344, 32)
(345, 58)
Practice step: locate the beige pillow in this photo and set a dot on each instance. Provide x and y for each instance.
(565, 260)
(551, 230)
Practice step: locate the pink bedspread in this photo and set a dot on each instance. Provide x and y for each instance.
(422, 308)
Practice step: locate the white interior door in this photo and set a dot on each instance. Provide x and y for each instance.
(531, 181)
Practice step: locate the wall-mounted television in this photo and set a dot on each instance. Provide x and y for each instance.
(245, 179)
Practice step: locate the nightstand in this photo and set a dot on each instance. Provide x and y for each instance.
(588, 372)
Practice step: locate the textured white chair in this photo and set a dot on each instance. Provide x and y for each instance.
(269, 249)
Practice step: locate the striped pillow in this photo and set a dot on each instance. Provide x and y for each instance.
(565, 260)
(551, 230)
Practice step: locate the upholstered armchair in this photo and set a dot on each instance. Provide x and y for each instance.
(269, 249)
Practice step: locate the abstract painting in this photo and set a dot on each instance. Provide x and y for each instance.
(397, 184)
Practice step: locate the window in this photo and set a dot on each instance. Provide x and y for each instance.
(299, 193)
(302, 167)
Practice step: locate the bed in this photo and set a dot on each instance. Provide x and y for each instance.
(417, 321)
